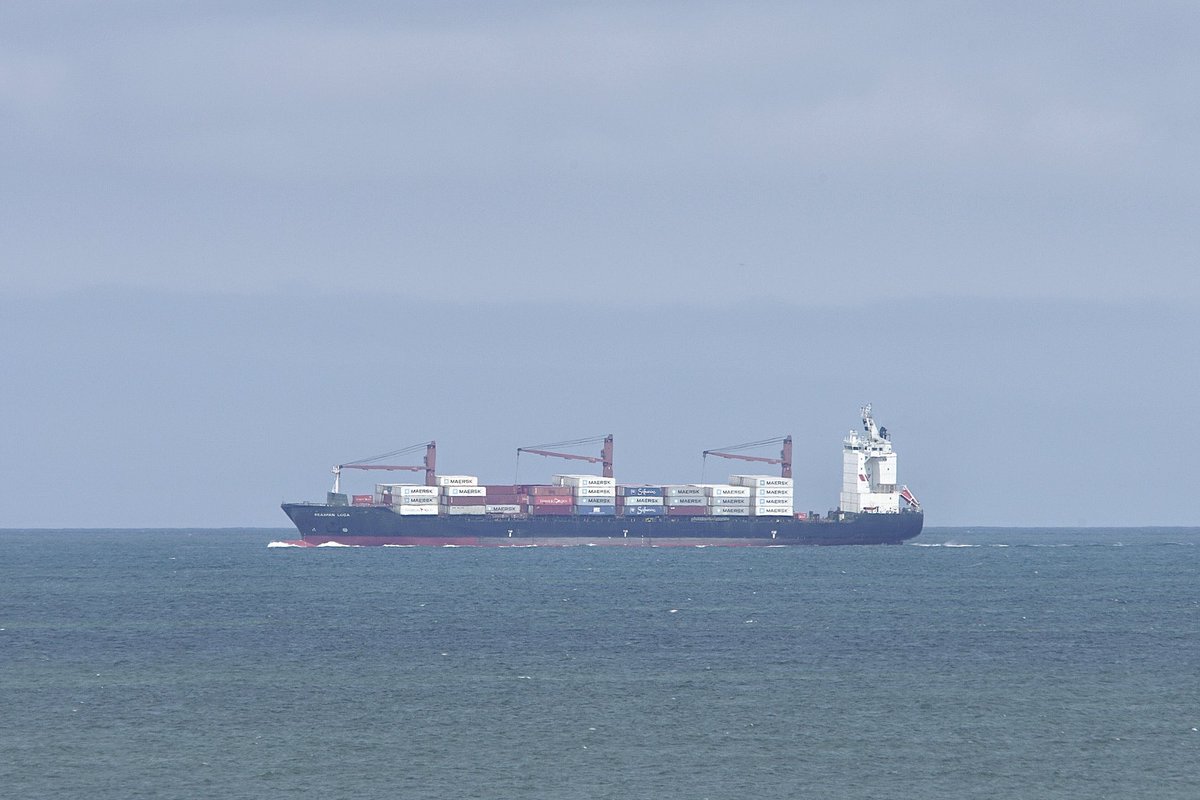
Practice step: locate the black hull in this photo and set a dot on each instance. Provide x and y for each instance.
(376, 525)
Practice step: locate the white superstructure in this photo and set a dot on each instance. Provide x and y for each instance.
(869, 471)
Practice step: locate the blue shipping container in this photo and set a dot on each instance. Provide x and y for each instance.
(590, 509)
(645, 511)
(640, 491)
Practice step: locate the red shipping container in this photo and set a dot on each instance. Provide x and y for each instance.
(456, 500)
(551, 491)
(505, 499)
(539, 500)
(362, 500)
(502, 489)
(686, 511)
(548, 510)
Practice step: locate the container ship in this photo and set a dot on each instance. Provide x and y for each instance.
(587, 509)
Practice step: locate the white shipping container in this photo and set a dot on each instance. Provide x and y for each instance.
(505, 508)
(595, 491)
(415, 501)
(770, 492)
(729, 502)
(464, 491)
(585, 480)
(683, 491)
(721, 511)
(463, 510)
(416, 491)
(759, 481)
(409, 510)
(642, 501)
(727, 491)
(771, 511)
(457, 480)
(686, 501)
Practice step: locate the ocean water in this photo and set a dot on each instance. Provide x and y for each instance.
(984, 663)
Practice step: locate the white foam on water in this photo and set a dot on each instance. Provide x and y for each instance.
(337, 544)
(452, 545)
(284, 544)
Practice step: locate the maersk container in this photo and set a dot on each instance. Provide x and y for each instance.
(416, 511)
(773, 492)
(416, 501)
(729, 502)
(551, 501)
(639, 491)
(729, 511)
(643, 511)
(464, 491)
(593, 491)
(592, 510)
(505, 508)
(583, 480)
(681, 502)
(727, 491)
(684, 491)
(641, 501)
(406, 489)
(759, 481)
(771, 511)
(457, 480)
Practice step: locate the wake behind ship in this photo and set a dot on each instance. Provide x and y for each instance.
(577, 509)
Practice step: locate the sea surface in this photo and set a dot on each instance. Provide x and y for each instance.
(972, 663)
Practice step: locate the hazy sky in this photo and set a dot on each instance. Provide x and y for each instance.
(242, 242)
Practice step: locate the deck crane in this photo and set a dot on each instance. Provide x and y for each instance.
(429, 467)
(605, 459)
(784, 460)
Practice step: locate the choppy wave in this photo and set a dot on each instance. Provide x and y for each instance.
(284, 544)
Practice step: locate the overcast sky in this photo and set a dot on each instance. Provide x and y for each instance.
(222, 224)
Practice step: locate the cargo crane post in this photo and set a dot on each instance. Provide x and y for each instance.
(429, 466)
(605, 459)
(785, 454)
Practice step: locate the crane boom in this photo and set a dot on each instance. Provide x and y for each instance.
(605, 459)
(784, 460)
(429, 467)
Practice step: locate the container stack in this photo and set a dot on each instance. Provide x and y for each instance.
(685, 500)
(551, 500)
(770, 496)
(590, 494)
(727, 501)
(461, 495)
(506, 499)
(409, 499)
(640, 501)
